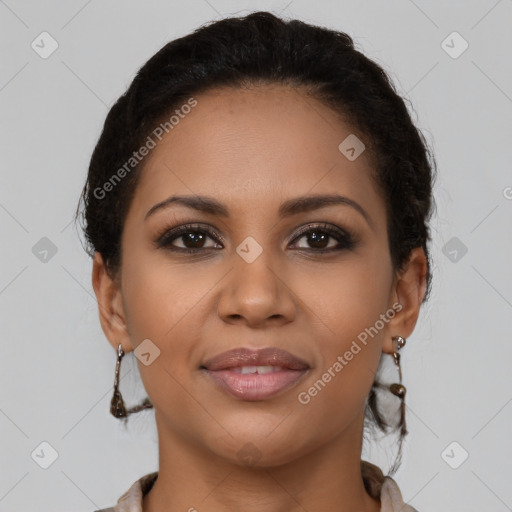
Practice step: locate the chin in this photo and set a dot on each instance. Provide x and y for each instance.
(261, 450)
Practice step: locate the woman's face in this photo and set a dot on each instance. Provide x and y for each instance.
(254, 280)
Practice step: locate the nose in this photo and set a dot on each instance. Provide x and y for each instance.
(256, 294)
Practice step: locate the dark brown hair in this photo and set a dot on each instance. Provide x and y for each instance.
(263, 48)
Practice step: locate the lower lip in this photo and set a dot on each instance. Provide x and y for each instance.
(253, 386)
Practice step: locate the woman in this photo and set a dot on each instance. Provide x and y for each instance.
(257, 210)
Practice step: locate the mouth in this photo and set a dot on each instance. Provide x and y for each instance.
(255, 375)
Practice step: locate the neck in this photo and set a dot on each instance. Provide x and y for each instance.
(328, 478)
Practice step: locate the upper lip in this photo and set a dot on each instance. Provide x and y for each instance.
(270, 356)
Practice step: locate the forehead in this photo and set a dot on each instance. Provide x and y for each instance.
(255, 146)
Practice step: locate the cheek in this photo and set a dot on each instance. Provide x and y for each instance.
(346, 304)
(349, 346)
(160, 297)
(167, 304)
(344, 299)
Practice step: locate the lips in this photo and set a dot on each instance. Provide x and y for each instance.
(255, 375)
(270, 356)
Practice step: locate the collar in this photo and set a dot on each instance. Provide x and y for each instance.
(376, 484)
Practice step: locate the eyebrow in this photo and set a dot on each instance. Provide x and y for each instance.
(290, 207)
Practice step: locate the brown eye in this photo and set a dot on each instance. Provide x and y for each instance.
(193, 239)
(320, 238)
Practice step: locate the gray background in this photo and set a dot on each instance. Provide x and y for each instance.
(56, 367)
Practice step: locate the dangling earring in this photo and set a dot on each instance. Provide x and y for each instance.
(117, 407)
(399, 390)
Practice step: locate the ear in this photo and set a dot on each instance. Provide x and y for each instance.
(110, 305)
(409, 287)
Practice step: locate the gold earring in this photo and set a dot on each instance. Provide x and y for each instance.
(117, 407)
(398, 389)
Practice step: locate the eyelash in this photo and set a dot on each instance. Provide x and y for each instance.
(345, 239)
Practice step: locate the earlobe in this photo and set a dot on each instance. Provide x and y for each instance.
(110, 305)
(409, 291)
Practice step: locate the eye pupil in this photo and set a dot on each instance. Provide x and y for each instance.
(193, 237)
(314, 237)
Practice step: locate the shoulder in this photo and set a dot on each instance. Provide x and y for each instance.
(383, 488)
(131, 500)
(391, 497)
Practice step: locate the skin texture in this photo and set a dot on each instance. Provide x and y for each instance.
(252, 149)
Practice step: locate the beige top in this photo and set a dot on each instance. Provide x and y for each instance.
(377, 485)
